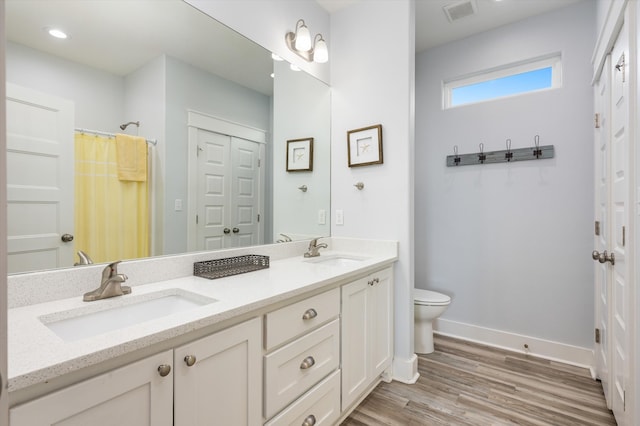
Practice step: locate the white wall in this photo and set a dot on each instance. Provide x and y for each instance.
(372, 77)
(511, 243)
(267, 22)
(98, 96)
(302, 104)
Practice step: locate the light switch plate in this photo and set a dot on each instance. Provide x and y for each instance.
(339, 217)
(322, 217)
(178, 205)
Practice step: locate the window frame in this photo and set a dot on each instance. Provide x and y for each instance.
(553, 61)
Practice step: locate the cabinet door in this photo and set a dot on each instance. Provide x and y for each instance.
(381, 321)
(134, 395)
(355, 340)
(223, 385)
(367, 332)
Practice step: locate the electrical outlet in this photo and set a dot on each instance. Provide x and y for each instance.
(178, 205)
(339, 217)
(322, 217)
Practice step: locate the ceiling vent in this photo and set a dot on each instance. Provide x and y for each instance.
(460, 10)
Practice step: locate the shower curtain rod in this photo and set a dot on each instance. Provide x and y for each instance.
(153, 142)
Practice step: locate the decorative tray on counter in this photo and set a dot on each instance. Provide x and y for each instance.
(228, 266)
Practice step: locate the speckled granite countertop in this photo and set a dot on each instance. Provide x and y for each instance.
(37, 354)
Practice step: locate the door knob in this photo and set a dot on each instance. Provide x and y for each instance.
(66, 238)
(226, 230)
(236, 230)
(604, 257)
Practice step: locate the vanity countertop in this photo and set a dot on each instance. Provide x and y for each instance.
(37, 354)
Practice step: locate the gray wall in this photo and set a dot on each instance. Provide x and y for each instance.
(510, 243)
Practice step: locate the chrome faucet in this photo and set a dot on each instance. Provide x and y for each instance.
(314, 247)
(110, 286)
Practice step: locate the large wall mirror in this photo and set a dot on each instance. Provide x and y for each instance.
(215, 112)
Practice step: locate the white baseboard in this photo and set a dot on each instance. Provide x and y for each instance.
(554, 351)
(406, 370)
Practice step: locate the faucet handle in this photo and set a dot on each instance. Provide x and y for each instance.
(110, 270)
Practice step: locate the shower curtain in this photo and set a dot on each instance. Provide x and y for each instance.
(111, 216)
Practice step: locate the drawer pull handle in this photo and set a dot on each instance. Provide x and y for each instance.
(374, 281)
(309, 314)
(308, 362)
(190, 360)
(309, 421)
(164, 370)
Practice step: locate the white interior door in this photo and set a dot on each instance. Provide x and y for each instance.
(619, 225)
(213, 193)
(228, 195)
(601, 241)
(245, 192)
(40, 186)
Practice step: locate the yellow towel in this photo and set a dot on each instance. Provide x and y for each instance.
(131, 155)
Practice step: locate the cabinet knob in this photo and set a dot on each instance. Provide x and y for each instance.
(309, 314)
(164, 370)
(309, 421)
(236, 230)
(190, 360)
(308, 362)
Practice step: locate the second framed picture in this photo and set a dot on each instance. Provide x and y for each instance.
(300, 155)
(365, 146)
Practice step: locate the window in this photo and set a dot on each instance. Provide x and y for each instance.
(515, 79)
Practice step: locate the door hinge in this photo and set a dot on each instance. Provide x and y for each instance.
(258, 217)
(624, 236)
(624, 400)
(597, 120)
(597, 227)
(196, 219)
(597, 335)
(259, 162)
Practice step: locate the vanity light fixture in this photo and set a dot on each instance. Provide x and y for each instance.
(300, 44)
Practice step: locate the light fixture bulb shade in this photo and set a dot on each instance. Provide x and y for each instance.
(303, 38)
(320, 52)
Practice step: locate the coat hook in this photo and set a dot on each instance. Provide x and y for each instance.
(482, 156)
(537, 152)
(508, 155)
(303, 188)
(456, 160)
(359, 185)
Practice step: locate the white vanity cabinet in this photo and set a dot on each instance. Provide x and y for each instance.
(218, 379)
(215, 380)
(134, 395)
(367, 333)
(301, 362)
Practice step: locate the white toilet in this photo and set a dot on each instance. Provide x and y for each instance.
(427, 306)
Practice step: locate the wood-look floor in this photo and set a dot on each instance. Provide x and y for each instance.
(463, 383)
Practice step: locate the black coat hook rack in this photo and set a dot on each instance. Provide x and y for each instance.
(508, 155)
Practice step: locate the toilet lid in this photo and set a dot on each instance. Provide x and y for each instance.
(428, 297)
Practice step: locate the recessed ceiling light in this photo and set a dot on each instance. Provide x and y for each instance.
(273, 75)
(276, 57)
(56, 32)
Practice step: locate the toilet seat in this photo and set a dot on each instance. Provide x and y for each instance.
(430, 298)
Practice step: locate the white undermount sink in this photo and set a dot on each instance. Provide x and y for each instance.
(124, 311)
(337, 260)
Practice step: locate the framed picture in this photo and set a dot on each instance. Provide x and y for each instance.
(365, 146)
(300, 155)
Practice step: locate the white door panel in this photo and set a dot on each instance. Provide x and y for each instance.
(39, 205)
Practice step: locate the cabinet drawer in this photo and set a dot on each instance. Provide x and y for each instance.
(288, 322)
(286, 375)
(321, 404)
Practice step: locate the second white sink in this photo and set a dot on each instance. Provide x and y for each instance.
(86, 322)
(336, 260)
